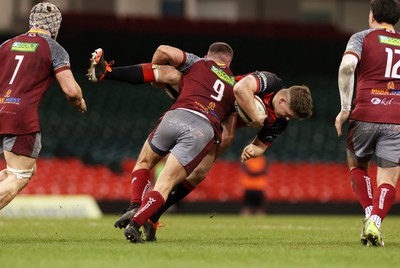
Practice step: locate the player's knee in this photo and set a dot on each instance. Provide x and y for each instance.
(22, 174)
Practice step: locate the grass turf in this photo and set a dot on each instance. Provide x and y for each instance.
(198, 241)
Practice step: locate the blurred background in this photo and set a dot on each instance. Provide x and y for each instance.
(302, 41)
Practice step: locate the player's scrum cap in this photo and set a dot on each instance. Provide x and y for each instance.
(46, 16)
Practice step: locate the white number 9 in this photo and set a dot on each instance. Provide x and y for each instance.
(218, 87)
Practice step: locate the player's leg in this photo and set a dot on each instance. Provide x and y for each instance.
(20, 153)
(178, 192)
(388, 155)
(360, 148)
(172, 174)
(360, 181)
(200, 172)
(19, 171)
(134, 74)
(140, 182)
(181, 190)
(3, 175)
(190, 144)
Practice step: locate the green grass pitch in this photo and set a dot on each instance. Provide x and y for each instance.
(198, 241)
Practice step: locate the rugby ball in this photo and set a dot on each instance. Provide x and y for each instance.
(262, 110)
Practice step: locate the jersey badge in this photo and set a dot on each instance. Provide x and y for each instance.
(223, 76)
(389, 40)
(24, 47)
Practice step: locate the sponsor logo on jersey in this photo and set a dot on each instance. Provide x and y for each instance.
(209, 109)
(8, 93)
(389, 40)
(24, 47)
(389, 90)
(7, 99)
(223, 76)
(383, 101)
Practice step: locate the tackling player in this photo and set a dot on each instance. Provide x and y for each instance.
(188, 130)
(282, 104)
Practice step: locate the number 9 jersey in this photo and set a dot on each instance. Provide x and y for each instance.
(378, 75)
(29, 63)
(207, 89)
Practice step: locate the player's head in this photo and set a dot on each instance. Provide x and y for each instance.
(46, 16)
(222, 52)
(294, 102)
(385, 11)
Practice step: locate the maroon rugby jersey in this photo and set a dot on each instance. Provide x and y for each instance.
(29, 62)
(207, 88)
(378, 75)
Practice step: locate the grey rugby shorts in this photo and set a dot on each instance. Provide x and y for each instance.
(27, 145)
(186, 135)
(366, 139)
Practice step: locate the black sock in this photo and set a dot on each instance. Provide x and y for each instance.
(132, 74)
(177, 194)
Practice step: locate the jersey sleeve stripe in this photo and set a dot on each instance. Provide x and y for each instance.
(352, 53)
(61, 68)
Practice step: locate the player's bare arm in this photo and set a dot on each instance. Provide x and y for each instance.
(253, 150)
(346, 88)
(71, 89)
(244, 92)
(165, 55)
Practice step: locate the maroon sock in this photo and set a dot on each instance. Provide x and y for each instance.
(383, 200)
(140, 183)
(152, 202)
(362, 186)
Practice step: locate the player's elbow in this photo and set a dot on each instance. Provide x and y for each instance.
(346, 69)
(162, 52)
(238, 90)
(348, 65)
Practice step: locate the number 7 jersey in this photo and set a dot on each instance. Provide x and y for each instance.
(28, 65)
(378, 75)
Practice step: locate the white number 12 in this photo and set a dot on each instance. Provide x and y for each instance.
(19, 58)
(392, 71)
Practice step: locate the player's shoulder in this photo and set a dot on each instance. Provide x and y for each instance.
(267, 76)
(362, 34)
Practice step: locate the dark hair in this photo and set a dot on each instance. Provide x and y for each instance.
(387, 11)
(221, 48)
(300, 101)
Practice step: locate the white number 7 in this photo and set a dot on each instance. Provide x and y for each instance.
(19, 58)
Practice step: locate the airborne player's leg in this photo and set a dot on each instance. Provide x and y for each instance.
(161, 76)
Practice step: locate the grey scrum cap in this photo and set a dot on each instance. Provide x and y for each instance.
(46, 16)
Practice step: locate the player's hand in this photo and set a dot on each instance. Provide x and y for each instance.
(251, 151)
(82, 106)
(258, 123)
(339, 121)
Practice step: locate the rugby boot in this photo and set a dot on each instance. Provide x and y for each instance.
(133, 234)
(124, 220)
(98, 66)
